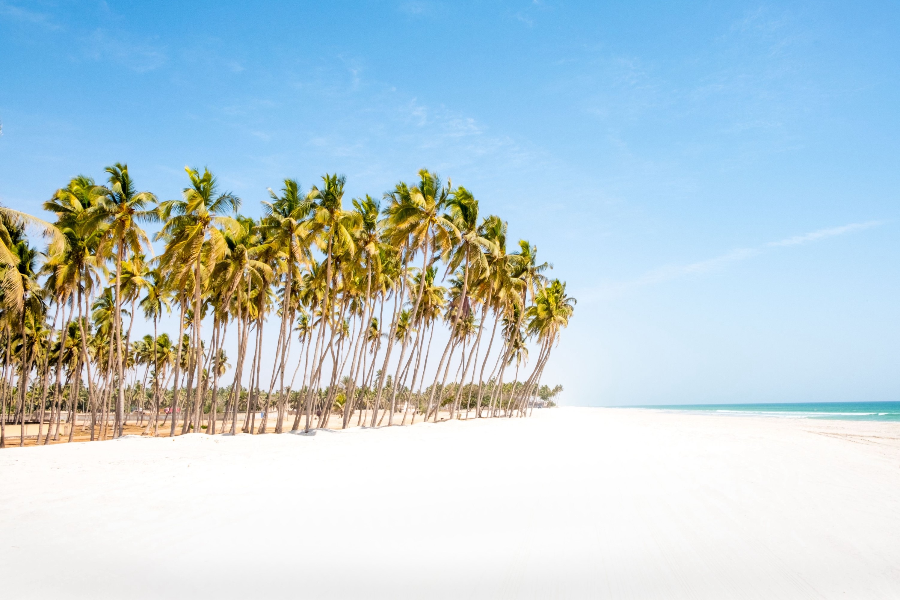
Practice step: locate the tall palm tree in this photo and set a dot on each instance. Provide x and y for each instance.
(121, 208)
(415, 220)
(78, 267)
(288, 233)
(190, 223)
(550, 314)
(156, 298)
(21, 297)
(369, 245)
(333, 227)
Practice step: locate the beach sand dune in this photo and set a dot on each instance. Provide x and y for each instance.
(573, 503)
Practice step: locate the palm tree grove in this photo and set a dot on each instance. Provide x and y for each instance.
(352, 293)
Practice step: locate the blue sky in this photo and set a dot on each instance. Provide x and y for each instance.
(717, 182)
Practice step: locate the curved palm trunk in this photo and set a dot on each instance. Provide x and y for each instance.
(309, 392)
(303, 350)
(177, 391)
(543, 356)
(155, 418)
(363, 329)
(318, 360)
(473, 360)
(73, 402)
(296, 425)
(337, 366)
(483, 365)
(86, 358)
(215, 392)
(243, 333)
(418, 354)
(418, 395)
(253, 391)
(286, 317)
(468, 362)
(23, 382)
(7, 385)
(127, 343)
(279, 423)
(406, 337)
(56, 389)
(437, 407)
(117, 326)
(46, 376)
(387, 356)
(495, 373)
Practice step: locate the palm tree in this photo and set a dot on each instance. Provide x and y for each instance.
(415, 220)
(120, 208)
(333, 228)
(241, 271)
(503, 289)
(471, 252)
(77, 266)
(21, 297)
(370, 245)
(550, 314)
(155, 299)
(288, 234)
(189, 224)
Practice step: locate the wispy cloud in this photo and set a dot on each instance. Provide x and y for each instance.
(420, 8)
(719, 263)
(23, 15)
(136, 54)
(824, 233)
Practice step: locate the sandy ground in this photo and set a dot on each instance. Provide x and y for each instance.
(135, 427)
(573, 503)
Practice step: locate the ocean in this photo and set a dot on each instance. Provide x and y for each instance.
(849, 411)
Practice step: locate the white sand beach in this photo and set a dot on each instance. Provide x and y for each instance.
(573, 503)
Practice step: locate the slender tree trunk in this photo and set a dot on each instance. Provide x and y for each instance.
(62, 344)
(156, 375)
(387, 357)
(117, 326)
(296, 425)
(359, 343)
(215, 391)
(412, 318)
(412, 385)
(23, 381)
(73, 403)
(236, 387)
(177, 375)
(46, 376)
(437, 406)
(251, 388)
(483, 365)
(86, 359)
(473, 361)
(309, 392)
(468, 363)
(6, 387)
(418, 395)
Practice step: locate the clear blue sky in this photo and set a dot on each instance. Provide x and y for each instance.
(717, 182)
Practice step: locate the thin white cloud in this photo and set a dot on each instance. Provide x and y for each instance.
(17, 13)
(136, 54)
(824, 233)
(719, 263)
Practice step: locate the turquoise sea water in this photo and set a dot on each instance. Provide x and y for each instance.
(850, 411)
